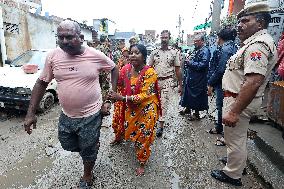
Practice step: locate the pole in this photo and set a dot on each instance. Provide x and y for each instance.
(217, 7)
(2, 39)
(179, 28)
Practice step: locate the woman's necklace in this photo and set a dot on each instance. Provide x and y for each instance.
(137, 71)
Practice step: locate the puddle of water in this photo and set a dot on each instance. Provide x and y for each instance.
(170, 163)
(167, 154)
(25, 172)
(175, 180)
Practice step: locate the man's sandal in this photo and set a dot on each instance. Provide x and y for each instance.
(84, 184)
(220, 142)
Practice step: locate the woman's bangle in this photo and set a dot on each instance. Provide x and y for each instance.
(126, 99)
(107, 101)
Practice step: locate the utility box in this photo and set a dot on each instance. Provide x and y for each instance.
(275, 109)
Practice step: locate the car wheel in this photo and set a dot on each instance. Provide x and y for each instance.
(46, 102)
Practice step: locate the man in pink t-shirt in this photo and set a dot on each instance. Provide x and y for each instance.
(280, 51)
(76, 69)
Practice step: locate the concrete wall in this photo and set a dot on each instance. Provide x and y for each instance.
(87, 34)
(15, 31)
(42, 32)
(24, 31)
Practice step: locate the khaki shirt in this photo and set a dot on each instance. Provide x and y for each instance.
(164, 61)
(258, 55)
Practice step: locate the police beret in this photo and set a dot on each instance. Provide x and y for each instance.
(253, 9)
(124, 49)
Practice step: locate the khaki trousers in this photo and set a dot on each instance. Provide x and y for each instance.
(167, 88)
(236, 138)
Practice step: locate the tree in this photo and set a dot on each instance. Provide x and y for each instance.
(229, 21)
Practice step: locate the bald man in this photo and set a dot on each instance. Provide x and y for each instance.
(76, 69)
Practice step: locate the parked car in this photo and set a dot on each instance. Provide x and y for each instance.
(18, 79)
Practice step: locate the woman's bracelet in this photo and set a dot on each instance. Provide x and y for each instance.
(107, 101)
(126, 99)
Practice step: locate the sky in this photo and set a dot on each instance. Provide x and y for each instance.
(132, 15)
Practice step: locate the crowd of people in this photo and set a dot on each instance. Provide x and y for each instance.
(141, 90)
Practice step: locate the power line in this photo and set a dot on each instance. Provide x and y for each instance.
(195, 7)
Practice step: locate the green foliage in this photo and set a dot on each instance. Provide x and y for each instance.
(229, 21)
(172, 41)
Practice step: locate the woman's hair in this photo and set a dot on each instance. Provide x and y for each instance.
(142, 50)
(227, 34)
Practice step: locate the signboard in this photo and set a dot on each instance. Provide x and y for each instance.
(202, 26)
(275, 27)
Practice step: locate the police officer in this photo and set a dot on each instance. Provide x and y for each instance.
(244, 81)
(166, 62)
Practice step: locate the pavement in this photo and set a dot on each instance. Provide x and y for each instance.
(266, 154)
(182, 159)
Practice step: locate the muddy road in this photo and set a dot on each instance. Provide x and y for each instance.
(183, 158)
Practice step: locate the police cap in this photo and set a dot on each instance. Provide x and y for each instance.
(253, 9)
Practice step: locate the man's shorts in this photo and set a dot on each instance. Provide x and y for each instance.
(80, 135)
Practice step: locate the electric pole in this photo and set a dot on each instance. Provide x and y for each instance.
(216, 12)
(179, 28)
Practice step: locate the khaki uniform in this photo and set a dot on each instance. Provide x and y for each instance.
(104, 77)
(258, 55)
(165, 62)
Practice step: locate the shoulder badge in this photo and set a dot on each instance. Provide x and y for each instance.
(255, 56)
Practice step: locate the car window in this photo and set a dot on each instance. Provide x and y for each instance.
(31, 57)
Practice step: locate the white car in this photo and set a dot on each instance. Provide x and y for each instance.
(16, 85)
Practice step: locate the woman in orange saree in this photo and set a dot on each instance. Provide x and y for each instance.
(119, 112)
(141, 103)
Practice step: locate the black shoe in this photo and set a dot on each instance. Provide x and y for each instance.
(159, 132)
(221, 176)
(224, 160)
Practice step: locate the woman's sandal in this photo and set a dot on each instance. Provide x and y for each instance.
(220, 142)
(140, 170)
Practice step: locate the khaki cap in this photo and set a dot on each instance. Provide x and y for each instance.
(253, 9)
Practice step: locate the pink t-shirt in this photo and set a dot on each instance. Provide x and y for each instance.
(280, 51)
(79, 91)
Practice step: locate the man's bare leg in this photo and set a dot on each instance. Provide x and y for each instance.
(88, 168)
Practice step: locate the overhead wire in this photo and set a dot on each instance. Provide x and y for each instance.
(195, 7)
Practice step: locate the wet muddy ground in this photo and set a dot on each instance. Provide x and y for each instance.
(182, 158)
